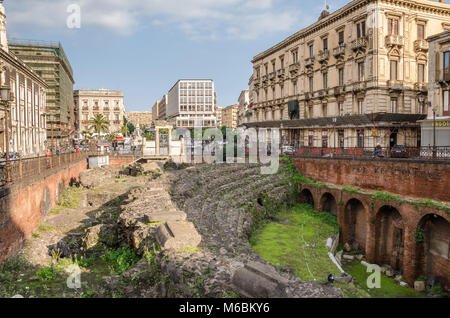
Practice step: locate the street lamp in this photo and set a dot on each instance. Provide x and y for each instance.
(5, 98)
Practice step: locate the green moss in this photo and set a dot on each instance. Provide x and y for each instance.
(299, 244)
(43, 228)
(55, 211)
(154, 223)
(351, 189)
(388, 288)
(119, 260)
(71, 197)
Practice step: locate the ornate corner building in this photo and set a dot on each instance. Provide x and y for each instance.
(357, 77)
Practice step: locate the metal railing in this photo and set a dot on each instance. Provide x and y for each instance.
(419, 153)
(23, 168)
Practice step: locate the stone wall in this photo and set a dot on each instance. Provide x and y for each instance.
(410, 178)
(382, 222)
(23, 204)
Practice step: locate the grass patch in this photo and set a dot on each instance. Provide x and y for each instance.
(71, 197)
(388, 288)
(54, 211)
(44, 228)
(299, 244)
(154, 223)
(119, 260)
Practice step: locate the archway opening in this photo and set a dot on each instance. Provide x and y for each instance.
(328, 204)
(306, 197)
(355, 218)
(389, 237)
(433, 250)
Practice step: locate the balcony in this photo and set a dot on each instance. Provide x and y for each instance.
(309, 62)
(395, 85)
(294, 68)
(264, 79)
(339, 51)
(106, 109)
(272, 76)
(420, 86)
(359, 86)
(85, 108)
(96, 108)
(338, 90)
(395, 40)
(323, 56)
(359, 44)
(421, 46)
(323, 92)
(308, 95)
(117, 109)
(281, 73)
(257, 81)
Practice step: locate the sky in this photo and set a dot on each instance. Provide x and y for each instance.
(142, 47)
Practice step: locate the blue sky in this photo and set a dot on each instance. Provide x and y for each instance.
(143, 47)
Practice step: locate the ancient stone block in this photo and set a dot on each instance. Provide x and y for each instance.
(165, 216)
(257, 280)
(419, 286)
(177, 235)
(343, 278)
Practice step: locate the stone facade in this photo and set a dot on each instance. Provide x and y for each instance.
(144, 118)
(90, 103)
(48, 60)
(369, 56)
(244, 102)
(438, 92)
(229, 116)
(27, 110)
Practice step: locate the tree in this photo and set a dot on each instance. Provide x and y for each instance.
(99, 124)
(131, 128)
(124, 130)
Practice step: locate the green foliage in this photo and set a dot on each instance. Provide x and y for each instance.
(419, 235)
(149, 136)
(351, 189)
(70, 198)
(385, 196)
(46, 274)
(296, 178)
(119, 260)
(43, 228)
(437, 290)
(99, 124)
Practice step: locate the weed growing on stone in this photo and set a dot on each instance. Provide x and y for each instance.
(71, 198)
(119, 260)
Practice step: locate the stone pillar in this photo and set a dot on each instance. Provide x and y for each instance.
(370, 237)
(157, 142)
(409, 255)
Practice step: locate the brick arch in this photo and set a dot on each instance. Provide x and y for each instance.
(432, 255)
(355, 223)
(389, 237)
(328, 203)
(307, 196)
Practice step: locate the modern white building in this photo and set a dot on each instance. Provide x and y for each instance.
(192, 103)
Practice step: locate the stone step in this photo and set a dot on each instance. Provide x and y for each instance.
(165, 216)
(177, 235)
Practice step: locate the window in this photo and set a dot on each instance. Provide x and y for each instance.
(341, 77)
(420, 31)
(446, 106)
(341, 138)
(273, 93)
(361, 71)
(311, 139)
(311, 50)
(341, 38)
(361, 29)
(360, 107)
(393, 70)
(311, 84)
(446, 65)
(392, 26)
(324, 110)
(295, 56)
(341, 109)
(421, 107)
(266, 97)
(325, 80)
(266, 68)
(282, 63)
(393, 105)
(361, 138)
(282, 91)
(273, 66)
(421, 73)
(325, 45)
(325, 139)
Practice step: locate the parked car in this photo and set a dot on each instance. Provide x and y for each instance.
(399, 152)
(289, 150)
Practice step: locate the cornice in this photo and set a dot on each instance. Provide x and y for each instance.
(433, 7)
(20, 66)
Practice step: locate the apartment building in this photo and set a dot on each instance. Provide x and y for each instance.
(26, 122)
(192, 103)
(355, 78)
(230, 116)
(109, 103)
(141, 118)
(49, 61)
(219, 111)
(438, 93)
(244, 102)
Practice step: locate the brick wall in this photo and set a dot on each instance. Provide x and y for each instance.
(409, 178)
(117, 162)
(23, 204)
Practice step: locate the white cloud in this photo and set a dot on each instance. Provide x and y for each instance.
(199, 19)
